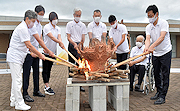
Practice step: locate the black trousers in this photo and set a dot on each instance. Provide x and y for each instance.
(47, 65)
(120, 58)
(162, 64)
(34, 62)
(74, 53)
(137, 69)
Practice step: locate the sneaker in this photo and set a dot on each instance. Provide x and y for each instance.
(12, 104)
(22, 107)
(49, 91)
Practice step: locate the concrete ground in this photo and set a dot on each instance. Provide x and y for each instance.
(137, 102)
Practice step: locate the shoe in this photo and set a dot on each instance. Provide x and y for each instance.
(12, 104)
(39, 94)
(155, 97)
(27, 98)
(49, 91)
(137, 88)
(131, 89)
(22, 107)
(160, 101)
(82, 89)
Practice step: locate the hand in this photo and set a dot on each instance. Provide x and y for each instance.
(75, 46)
(33, 55)
(61, 45)
(45, 51)
(151, 49)
(115, 48)
(131, 63)
(42, 56)
(51, 53)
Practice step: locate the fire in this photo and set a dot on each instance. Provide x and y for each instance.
(83, 63)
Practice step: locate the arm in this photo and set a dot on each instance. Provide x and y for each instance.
(83, 38)
(41, 42)
(90, 35)
(122, 40)
(71, 41)
(157, 42)
(131, 63)
(60, 41)
(104, 34)
(147, 43)
(33, 49)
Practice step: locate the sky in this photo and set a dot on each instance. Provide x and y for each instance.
(128, 10)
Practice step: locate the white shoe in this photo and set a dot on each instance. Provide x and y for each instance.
(22, 107)
(12, 104)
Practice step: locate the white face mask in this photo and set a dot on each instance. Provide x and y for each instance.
(40, 17)
(97, 19)
(54, 22)
(152, 20)
(114, 25)
(30, 25)
(139, 44)
(77, 19)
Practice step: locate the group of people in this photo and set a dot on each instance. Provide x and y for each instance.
(27, 36)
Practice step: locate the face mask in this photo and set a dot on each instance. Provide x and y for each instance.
(77, 19)
(114, 25)
(54, 22)
(30, 25)
(40, 17)
(139, 44)
(152, 20)
(97, 19)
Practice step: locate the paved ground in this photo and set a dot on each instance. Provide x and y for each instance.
(138, 101)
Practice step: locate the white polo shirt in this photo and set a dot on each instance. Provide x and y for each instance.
(135, 51)
(116, 34)
(76, 30)
(155, 32)
(50, 44)
(36, 29)
(97, 30)
(17, 50)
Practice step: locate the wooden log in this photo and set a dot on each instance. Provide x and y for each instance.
(122, 71)
(102, 74)
(115, 77)
(97, 75)
(71, 74)
(113, 74)
(123, 76)
(104, 79)
(130, 59)
(111, 70)
(91, 77)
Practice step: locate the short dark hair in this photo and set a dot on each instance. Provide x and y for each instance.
(97, 10)
(52, 16)
(30, 14)
(39, 8)
(153, 8)
(111, 18)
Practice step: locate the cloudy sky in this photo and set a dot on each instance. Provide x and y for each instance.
(129, 10)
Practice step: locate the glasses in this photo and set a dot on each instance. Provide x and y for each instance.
(77, 15)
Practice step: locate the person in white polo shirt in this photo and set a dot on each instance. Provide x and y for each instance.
(158, 32)
(138, 66)
(32, 59)
(118, 33)
(76, 31)
(52, 36)
(17, 51)
(96, 28)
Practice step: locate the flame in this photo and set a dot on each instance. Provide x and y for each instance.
(83, 63)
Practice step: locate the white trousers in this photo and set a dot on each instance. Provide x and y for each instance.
(16, 75)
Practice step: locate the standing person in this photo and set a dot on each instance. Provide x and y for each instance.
(31, 59)
(17, 51)
(96, 28)
(138, 66)
(52, 36)
(118, 34)
(75, 31)
(158, 31)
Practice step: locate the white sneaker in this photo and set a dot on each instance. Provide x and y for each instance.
(22, 107)
(12, 104)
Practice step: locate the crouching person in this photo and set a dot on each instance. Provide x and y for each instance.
(17, 51)
(138, 66)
